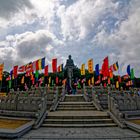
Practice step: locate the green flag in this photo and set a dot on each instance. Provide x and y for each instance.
(79, 86)
(10, 83)
(132, 76)
(36, 74)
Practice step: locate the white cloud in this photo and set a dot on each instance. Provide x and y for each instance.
(82, 17)
(28, 47)
(84, 28)
(126, 38)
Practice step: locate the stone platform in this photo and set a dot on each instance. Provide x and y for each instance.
(98, 133)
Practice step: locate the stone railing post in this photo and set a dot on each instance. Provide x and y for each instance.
(109, 99)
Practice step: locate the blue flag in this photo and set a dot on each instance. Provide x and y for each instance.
(128, 70)
(43, 63)
(97, 72)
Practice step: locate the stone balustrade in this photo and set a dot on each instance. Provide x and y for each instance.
(125, 106)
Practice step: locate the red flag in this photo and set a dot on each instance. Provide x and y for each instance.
(37, 65)
(104, 84)
(110, 73)
(54, 65)
(105, 67)
(56, 80)
(8, 78)
(119, 79)
(58, 69)
(15, 70)
(46, 71)
(21, 69)
(29, 69)
(109, 81)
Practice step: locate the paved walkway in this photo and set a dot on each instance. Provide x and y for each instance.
(77, 113)
(99, 133)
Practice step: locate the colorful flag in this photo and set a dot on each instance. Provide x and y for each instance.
(54, 65)
(60, 68)
(92, 80)
(22, 80)
(40, 64)
(37, 65)
(43, 63)
(21, 69)
(36, 75)
(110, 73)
(1, 71)
(115, 66)
(119, 79)
(56, 80)
(90, 66)
(29, 68)
(15, 70)
(83, 69)
(108, 81)
(128, 70)
(46, 71)
(10, 83)
(11, 74)
(105, 67)
(40, 81)
(97, 72)
(64, 82)
(117, 84)
(32, 76)
(125, 76)
(132, 74)
(49, 80)
(8, 78)
(105, 85)
(111, 68)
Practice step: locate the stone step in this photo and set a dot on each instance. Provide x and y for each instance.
(76, 98)
(77, 121)
(75, 103)
(78, 117)
(75, 108)
(79, 125)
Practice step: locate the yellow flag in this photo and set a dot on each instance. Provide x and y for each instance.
(90, 66)
(49, 80)
(83, 69)
(1, 71)
(117, 84)
(39, 64)
(64, 82)
(22, 80)
(92, 80)
(89, 82)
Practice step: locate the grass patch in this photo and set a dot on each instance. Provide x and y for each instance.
(11, 124)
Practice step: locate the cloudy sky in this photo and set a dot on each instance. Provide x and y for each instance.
(31, 29)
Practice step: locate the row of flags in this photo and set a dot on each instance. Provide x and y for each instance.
(32, 69)
(105, 71)
(35, 66)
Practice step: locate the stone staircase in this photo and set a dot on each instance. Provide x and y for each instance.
(74, 111)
